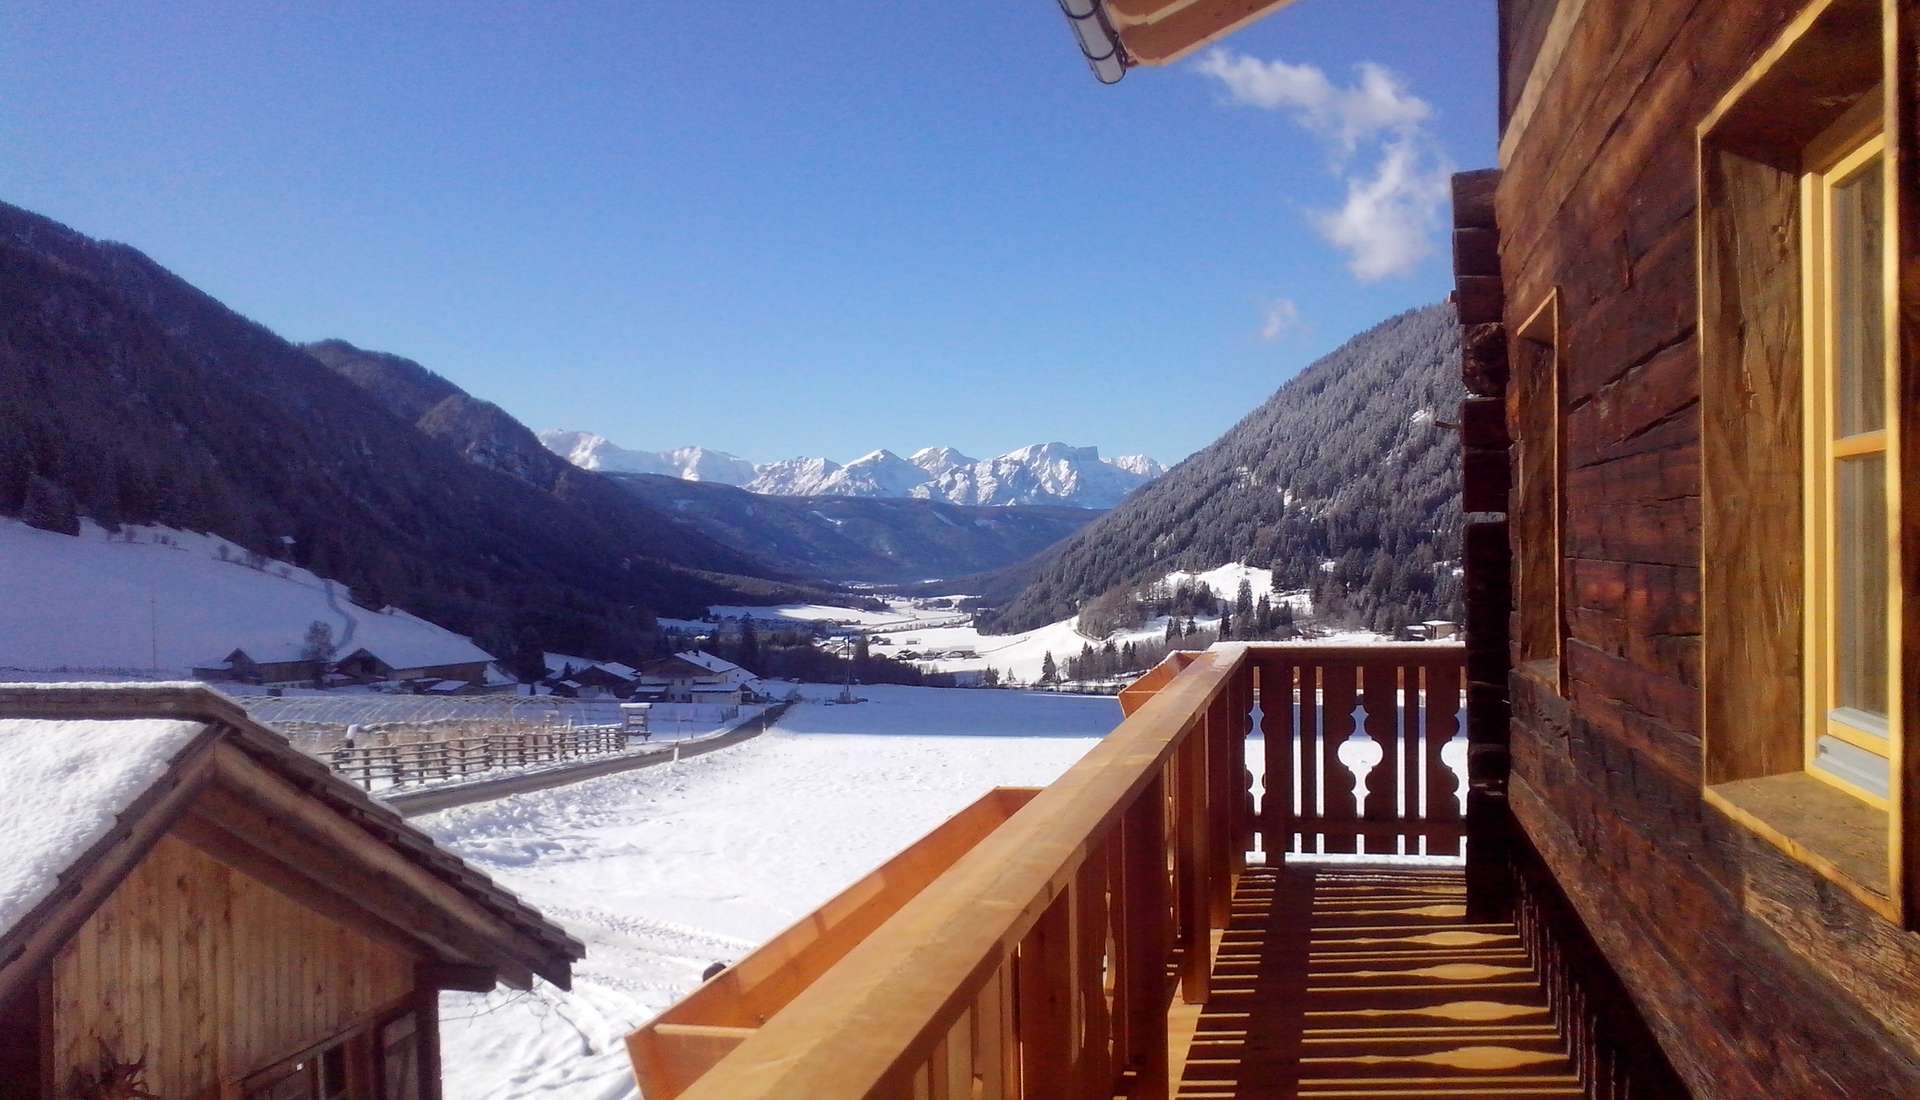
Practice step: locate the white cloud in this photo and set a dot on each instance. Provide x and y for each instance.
(1393, 205)
(1387, 224)
(1278, 318)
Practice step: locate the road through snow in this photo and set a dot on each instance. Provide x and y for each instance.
(661, 872)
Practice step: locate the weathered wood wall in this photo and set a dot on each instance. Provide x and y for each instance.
(1759, 978)
(210, 975)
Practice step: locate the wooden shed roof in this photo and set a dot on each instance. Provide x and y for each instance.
(382, 871)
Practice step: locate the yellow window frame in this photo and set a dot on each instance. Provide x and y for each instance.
(1838, 156)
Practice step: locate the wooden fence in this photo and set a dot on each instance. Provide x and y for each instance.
(400, 765)
(1037, 964)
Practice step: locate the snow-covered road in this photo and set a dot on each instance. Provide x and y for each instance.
(664, 871)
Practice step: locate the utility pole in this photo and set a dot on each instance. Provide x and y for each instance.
(153, 632)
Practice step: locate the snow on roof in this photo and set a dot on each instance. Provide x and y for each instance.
(66, 780)
(426, 651)
(714, 689)
(709, 662)
(674, 665)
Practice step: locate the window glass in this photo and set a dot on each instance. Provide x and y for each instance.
(1860, 597)
(1859, 350)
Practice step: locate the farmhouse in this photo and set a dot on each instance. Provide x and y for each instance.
(679, 679)
(446, 658)
(277, 665)
(190, 905)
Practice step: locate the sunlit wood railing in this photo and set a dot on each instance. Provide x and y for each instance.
(1042, 961)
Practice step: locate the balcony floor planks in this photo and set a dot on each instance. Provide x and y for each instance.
(1366, 982)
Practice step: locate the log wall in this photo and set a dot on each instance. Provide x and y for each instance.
(209, 974)
(1758, 977)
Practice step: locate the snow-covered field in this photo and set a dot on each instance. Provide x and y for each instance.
(661, 872)
(936, 633)
(167, 601)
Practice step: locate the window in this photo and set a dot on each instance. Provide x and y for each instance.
(1850, 560)
(1800, 596)
(371, 1061)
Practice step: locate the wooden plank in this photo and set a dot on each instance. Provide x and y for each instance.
(1046, 989)
(1221, 795)
(1442, 707)
(675, 1055)
(992, 1045)
(1191, 864)
(1338, 684)
(1143, 890)
(1380, 688)
(1751, 433)
(1090, 903)
(1277, 733)
(1902, 60)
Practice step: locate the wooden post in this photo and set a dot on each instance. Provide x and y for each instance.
(1192, 863)
(1223, 766)
(1094, 1068)
(1143, 893)
(1276, 728)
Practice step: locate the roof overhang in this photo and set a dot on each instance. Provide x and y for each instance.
(241, 793)
(1117, 35)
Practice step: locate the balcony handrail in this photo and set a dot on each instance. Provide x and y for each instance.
(886, 1018)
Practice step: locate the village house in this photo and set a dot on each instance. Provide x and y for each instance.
(190, 906)
(681, 679)
(594, 682)
(744, 679)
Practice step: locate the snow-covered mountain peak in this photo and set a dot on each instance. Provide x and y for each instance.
(1040, 473)
(1136, 464)
(596, 452)
(938, 460)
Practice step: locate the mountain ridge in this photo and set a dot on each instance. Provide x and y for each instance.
(136, 397)
(1343, 482)
(1039, 474)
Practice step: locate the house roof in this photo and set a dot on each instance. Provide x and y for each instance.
(96, 774)
(676, 665)
(424, 652)
(711, 663)
(269, 653)
(1116, 35)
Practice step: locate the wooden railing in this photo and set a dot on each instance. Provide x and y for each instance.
(1041, 963)
(409, 763)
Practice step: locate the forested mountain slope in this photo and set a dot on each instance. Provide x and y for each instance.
(881, 539)
(1344, 464)
(131, 396)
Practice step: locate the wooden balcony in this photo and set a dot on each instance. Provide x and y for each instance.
(1135, 930)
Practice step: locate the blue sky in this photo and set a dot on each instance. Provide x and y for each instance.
(773, 229)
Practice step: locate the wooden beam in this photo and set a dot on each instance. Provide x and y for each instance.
(751, 990)
(461, 976)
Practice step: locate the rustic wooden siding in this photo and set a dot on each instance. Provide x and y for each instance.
(210, 974)
(1523, 29)
(1759, 977)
